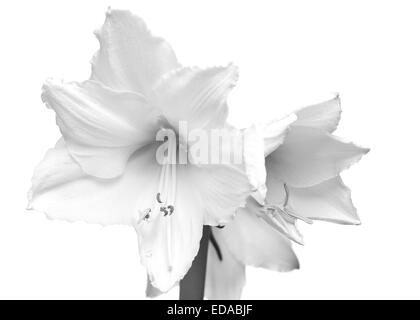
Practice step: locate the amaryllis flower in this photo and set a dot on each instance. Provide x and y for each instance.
(104, 169)
(302, 174)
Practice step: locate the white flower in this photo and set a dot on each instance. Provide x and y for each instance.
(302, 182)
(104, 169)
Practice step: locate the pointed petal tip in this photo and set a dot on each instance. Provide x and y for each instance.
(297, 267)
(362, 151)
(48, 83)
(151, 291)
(121, 15)
(109, 11)
(113, 12)
(299, 241)
(355, 221)
(336, 97)
(233, 67)
(29, 205)
(48, 88)
(351, 221)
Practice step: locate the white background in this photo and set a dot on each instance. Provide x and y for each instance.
(290, 53)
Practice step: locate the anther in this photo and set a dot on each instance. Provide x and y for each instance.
(144, 215)
(158, 198)
(171, 209)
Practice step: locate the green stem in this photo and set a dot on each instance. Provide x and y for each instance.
(193, 285)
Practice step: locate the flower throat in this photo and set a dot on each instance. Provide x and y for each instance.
(166, 195)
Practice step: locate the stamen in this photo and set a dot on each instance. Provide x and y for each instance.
(280, 216)
(165, 196)
(286, 199)
(144, 215)
(286, 210)
(171, 190)
(292, 214)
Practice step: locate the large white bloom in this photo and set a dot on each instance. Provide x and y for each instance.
(104, 169)
(302, 174)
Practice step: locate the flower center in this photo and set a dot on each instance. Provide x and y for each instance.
(281, 217)
(165, 196)
(285, 210)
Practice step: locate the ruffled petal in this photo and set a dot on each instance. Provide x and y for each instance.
(253, 242)
(225, 275)
(101, 127)
(61, 189)
(324, 115)
(310, 156)
(197, 96)
(130, 57)
(168, 244)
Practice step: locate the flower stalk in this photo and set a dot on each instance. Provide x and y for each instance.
(192, 285)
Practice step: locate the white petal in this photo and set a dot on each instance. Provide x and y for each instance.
(276, 196)
(130, 57)
(222, 189)
(255, 243)
(102, 128)
(168, 255)
(61, 190)
(328, 201)
(310, 156)
(64, 192)
(286, 225)
(225, 278)
(196, 95)
(207, 194)
(324, 115)
(255, 161)
(259, 141)
(274, 132)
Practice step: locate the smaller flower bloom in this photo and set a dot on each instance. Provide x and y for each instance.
(302, 183)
